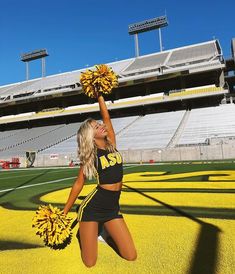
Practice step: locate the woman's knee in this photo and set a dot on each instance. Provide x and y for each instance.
(131, 257)
(89, 262)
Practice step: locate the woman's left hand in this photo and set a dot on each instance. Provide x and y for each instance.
(98, 94)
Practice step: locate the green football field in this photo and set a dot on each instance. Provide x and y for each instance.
(181, 217)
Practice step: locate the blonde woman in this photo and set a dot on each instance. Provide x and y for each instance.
(100, 209)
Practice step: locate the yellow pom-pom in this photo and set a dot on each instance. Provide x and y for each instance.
(53, 226)
(103, 80)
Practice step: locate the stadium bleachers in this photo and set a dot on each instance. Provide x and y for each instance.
(198, 57)
(151, 131)
(18, 137)
(145, 62)
(165, 130)
(53, 82)
(8, 134)
(201, 54)
(70, 145)
(209, 122)
(131, 131)
(193, 54)
(37, 139)
(19, 88)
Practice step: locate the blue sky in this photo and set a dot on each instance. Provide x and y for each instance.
(78, 33)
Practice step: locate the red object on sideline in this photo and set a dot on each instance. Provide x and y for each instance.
(7, 164)
(71, 164)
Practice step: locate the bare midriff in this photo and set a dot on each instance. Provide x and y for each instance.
(112, 187)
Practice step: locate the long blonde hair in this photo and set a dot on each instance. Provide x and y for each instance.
(87, 149)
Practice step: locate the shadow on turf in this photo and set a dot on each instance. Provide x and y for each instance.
(205, 256)
(11, 245)
(206, 249)
(25, 183)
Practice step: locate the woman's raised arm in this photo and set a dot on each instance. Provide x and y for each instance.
(106, 119)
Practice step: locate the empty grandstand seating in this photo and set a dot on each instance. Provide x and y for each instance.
(145, 62)
(152, 131)
(195, 58)
(70, 145)
(37, 139)
(53, 82)
(195, 53)
(49, 139)
(19, 88)
(180, 57)
(8, 134)
(209, 122)
(18, 137)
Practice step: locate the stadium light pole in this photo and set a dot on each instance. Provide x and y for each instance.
(33, 55)
(147, 25)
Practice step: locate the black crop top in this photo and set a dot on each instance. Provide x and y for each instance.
(109, 170)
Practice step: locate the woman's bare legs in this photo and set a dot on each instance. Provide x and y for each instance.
(88, 233)
(121, 240)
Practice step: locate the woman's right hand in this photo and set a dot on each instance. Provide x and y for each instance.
(65, 212)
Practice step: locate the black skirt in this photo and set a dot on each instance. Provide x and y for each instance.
(100, 205)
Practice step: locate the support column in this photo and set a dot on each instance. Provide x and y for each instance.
(43, 67)
(137, 53)
(27, 70)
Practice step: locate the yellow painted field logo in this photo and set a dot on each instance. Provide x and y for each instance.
(213, 175)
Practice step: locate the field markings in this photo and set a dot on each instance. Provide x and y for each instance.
(26, 175)
(33, 169)
(43, 183)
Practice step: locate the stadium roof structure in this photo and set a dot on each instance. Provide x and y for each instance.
(185, 67)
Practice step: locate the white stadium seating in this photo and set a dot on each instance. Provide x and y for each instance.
(198, 57)
(152, 131)
(209, 122)
(203, 55)
(70, 145)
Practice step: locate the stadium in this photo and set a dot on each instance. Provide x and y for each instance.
(173, 114)
(180, 87)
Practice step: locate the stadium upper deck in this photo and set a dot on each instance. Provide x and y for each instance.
(190, 66)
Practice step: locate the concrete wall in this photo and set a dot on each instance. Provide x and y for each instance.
(184, 153)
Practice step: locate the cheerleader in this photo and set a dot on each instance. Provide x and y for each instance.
(100, 209)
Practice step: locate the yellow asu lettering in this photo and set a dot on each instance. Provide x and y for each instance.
(104, 162)
(111, 160)
(119, 157)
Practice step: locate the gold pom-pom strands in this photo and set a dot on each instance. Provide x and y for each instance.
(53, 226)
(101, 80)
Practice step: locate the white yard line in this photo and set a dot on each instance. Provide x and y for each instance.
(26, 175)
(44, 183)
(32, 169)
